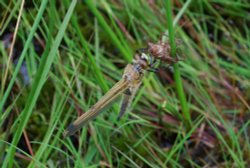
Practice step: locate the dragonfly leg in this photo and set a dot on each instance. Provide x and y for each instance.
(142, 50)
(152, 64)
(153, 70)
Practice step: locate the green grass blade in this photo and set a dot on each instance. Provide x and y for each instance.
(106, 27)
(24, 52)
(39, 81)
(177, 75)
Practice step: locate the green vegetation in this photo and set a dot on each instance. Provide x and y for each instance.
(67, 54)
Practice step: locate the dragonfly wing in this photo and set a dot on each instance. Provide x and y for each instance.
(126, 102)
(96, 109)
(127, 99)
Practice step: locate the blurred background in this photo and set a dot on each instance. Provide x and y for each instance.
(59, 57)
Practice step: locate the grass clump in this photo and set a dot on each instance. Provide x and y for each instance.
(67, 54)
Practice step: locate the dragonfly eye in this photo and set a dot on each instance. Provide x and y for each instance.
(148, 58)
(145, 57)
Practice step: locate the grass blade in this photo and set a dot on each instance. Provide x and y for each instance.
(39, 81)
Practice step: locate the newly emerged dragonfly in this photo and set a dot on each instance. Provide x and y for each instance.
(128, 85)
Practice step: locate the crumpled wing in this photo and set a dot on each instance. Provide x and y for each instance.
(127, 99)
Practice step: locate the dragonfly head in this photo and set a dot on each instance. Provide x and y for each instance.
(144, 60)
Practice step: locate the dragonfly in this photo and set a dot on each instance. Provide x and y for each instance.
(144, 59)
